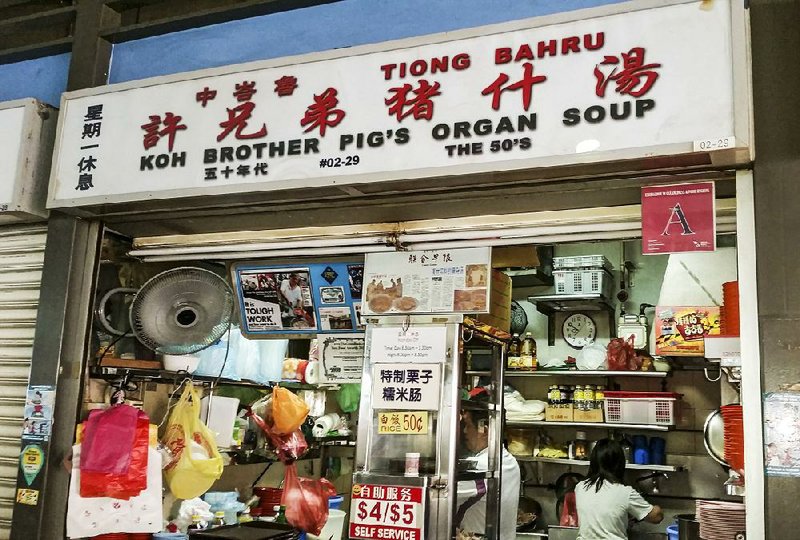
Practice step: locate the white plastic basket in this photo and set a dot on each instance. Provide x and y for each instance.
(653, 408)
(581, 261)
(583, 282)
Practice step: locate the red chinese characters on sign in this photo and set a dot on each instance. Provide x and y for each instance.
(678, 218)
(152, 133)
(285, 86)
(239, 116)
(409, 101)
(205, 95)
(634, 79)
(379, 511)
(323, 112)
(526, 84)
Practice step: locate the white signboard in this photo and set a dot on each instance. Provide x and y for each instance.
(11, 135)
(341, 357)
(416, 344)
(404, 386)
(499, 98)
(443, 281)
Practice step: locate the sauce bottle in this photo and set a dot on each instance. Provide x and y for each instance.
(197, 523)
(514, 352)
(528, 352)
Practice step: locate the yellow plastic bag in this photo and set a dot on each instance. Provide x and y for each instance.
(288, 411)
(196, 462)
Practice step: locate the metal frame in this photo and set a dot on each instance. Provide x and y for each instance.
(442, 486)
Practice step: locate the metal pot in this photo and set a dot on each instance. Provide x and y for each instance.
(688, 527)
(529, 505)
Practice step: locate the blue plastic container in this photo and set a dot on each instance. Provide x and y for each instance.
(335, 502)
(169, 536)
(672, 532)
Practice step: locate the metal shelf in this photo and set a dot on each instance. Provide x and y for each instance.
(585, 463)
(550, 304)
(580, 373)
(598, 425)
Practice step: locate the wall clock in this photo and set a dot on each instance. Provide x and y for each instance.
(579, 330)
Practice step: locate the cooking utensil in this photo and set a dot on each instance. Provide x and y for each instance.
(529, 506)
(714, 437)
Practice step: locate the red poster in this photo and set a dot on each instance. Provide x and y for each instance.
(678, 218)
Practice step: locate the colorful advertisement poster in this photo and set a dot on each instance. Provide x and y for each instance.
(678, 218)
(782, 434)
(379, 511)
(281, 300)
(38, 420)
(443, 281)
(276, 299)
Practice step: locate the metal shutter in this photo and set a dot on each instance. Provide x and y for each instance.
(21, 259)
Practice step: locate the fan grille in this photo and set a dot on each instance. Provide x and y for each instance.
(182, 311)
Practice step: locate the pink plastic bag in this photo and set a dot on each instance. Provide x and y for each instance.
(621, 356)
(108, 440)
(569, 511)
(306, 501)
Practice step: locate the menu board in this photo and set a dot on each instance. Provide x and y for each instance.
(379, 511)
(443, 281)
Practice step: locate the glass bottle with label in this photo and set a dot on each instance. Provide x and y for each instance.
(528, 352)
(514, 352)
(280, 517)
(219, 519)
(588, 397)
(577, 398)
(197, 523)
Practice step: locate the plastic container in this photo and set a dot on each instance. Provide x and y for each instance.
(170, 536)
(180, 362)
(221, 418)
(268, 498)
(653, 408)
(581, 262)
(140, 536)
(334, 503)
(333, 528)
(583, 282)
(672, 532)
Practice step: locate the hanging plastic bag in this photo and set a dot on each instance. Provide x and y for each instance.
(196, 462)
(592, 357)
(108, 438)
(306, 501)
(621, 356)
(288, 411)
(288, 448)
(129, 484)
(348, 397)
(569, 511)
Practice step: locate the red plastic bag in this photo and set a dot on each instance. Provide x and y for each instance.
(289, 448)
(306, 501)
(569, 511)
(621, 356)
(126, 485)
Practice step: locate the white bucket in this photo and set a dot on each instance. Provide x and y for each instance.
(333, 527)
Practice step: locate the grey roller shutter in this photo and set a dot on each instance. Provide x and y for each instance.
(21, 259)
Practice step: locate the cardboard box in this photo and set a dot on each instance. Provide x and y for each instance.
(554, 414)
(681, 330)
(515, 257)
(499, 314)
(595, 415)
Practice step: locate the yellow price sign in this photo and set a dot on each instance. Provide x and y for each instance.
(403, 423)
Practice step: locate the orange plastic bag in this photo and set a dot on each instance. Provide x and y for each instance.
(288, 411)
(306, 501)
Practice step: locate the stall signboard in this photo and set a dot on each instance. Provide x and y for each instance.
(442, 281)
(678, 218)
(26, 139)
(302, 299)
(403, 423)
(622, 83)
(379, 511)
(414, 387)
(412, 345)
(341, 358)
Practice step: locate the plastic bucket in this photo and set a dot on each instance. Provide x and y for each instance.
(333, 528)
(334, 503)
(672, 532)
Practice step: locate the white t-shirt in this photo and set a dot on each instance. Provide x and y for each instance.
(293, 296)
(475, 517)
(603, 515)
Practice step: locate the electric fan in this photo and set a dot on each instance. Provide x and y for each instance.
(181, 311)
